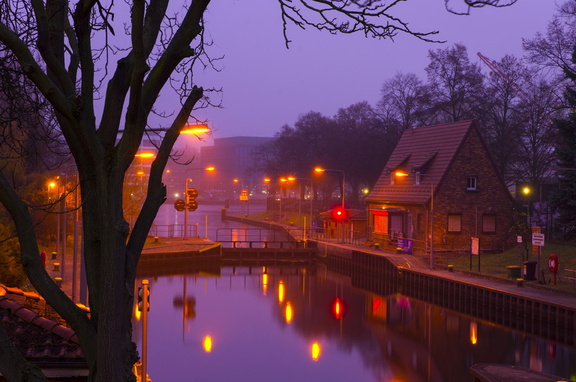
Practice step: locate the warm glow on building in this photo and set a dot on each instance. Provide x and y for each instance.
(207, 344)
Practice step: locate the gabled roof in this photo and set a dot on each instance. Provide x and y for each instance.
(428, 150)
(39, 339)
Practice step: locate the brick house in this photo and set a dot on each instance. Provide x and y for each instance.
(448, 169)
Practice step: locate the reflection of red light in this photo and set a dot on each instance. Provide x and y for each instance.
(337, 308)
(376, 304)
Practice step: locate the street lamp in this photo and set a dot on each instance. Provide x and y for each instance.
(419, 175)
(320, 169)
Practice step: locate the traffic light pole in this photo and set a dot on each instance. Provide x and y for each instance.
(186, 211)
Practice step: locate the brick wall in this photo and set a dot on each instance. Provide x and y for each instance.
(490, 197)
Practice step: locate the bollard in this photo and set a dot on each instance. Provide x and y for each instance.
(58, 281)
(450, 268)
(54, 255)
(56, 267)
(376, 245)
(156, 239)
(519, 282)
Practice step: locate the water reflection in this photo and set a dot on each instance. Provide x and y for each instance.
(223, 326)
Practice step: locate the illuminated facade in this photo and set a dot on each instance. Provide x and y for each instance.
(441, 175)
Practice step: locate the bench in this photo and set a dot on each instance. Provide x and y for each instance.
(572, 275)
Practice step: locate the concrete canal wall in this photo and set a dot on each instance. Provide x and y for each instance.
(546, 317)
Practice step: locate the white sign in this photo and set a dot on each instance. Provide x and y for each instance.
(538, 239)
(475, 246)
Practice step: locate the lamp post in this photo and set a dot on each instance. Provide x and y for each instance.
(321, 169)
(403, 174)
(292, 178)
(186, 189)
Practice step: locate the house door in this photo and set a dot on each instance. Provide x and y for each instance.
(397, 225)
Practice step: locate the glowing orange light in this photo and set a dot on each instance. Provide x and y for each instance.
(207, 344)
(137, 313)
(400, 173)
(319, 169)
(288, 312)
(140, 173)
(52, 184)
(473, 333)
(210, 168)
(315, 351)
(195, 129)
(266, 180)
(281, 292)
(264, 283)
(235, 180)
(146, 154)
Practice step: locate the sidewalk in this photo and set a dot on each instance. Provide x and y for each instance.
(528, 289)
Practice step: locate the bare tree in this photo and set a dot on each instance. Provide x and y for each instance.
(76, 56)
(455, 84)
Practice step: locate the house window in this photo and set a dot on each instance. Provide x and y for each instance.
(471, 183)
(381, 223)
(489, 223)
(454, 223)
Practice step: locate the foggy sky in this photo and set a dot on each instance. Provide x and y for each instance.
(266, 85)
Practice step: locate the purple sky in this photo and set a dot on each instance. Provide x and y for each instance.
(266, 85)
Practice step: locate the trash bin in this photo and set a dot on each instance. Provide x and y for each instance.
(514, 271)
(530, 270)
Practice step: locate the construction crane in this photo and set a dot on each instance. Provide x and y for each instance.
(494, 68)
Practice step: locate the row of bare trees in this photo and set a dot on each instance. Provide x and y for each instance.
(514, 103)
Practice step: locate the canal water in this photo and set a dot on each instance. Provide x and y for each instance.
(307, 323)
(297, 322)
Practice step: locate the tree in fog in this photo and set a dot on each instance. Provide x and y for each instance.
(563, 199)
(402, 102)
(455, 85)
(503, 122)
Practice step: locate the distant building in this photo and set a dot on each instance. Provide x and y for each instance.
(448, 169)
(236, 167)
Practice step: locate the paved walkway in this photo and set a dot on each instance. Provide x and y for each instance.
(528, 289)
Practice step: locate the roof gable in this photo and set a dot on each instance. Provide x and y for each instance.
(428, 150)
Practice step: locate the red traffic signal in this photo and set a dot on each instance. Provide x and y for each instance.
(339, 214)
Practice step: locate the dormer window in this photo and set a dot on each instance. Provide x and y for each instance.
(471, 183)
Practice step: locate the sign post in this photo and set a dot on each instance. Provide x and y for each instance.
(538, 243)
